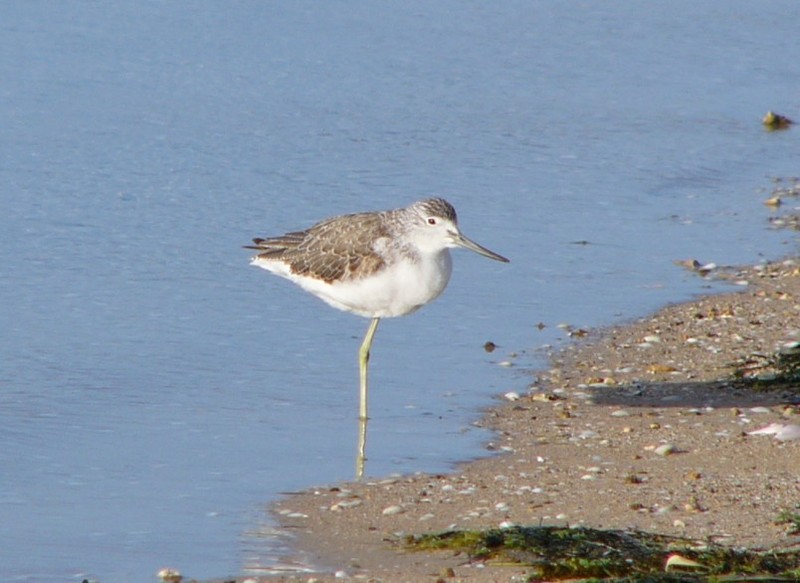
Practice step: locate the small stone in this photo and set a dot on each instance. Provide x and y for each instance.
(544, 397)
(170, 576)
(693, 505)
(511, 396)
(776, 121)
(620, 413)
(665, 449)
(634, 479)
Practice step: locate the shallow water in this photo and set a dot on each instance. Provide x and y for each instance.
(157, 391)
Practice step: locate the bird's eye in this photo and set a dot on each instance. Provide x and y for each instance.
(431, 221)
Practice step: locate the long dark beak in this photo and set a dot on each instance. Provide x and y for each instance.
(462, 241)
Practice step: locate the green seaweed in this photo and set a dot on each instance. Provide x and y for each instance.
(554, 553)
(790, 517)
(782, 368)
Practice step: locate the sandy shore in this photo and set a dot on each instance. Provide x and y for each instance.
(640, 426)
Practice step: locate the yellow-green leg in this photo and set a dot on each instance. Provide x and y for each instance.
(363, 364)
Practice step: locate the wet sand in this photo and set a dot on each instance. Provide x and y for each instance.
(642, 426)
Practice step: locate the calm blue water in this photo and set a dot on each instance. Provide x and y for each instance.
(156, 391)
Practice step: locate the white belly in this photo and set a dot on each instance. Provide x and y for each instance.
(395, 291)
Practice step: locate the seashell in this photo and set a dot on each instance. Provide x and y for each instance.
(676, 560)
(392, 510)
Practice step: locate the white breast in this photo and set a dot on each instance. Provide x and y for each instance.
(399, 289)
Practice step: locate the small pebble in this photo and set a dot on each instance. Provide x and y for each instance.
(665, 449)
(170, 576)
(512, 396)
(620, 413)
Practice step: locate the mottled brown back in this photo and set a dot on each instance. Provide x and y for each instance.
(337, 249)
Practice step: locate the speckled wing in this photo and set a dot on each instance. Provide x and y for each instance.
(338, 249)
